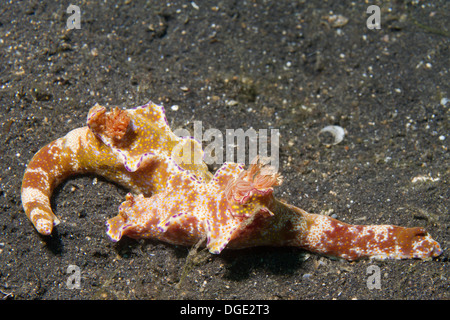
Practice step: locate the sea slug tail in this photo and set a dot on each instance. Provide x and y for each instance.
(50, 165)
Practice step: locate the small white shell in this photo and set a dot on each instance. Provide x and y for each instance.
(337, 132)
(337, 21)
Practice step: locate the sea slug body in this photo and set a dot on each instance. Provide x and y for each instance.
(174, 198)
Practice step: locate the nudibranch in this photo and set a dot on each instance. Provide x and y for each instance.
(133, 147)
(174, 198)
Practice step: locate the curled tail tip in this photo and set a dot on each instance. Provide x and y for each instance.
(36, 205)
(42, 217)
(45, 225)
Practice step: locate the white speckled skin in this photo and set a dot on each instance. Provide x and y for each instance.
(180, 202)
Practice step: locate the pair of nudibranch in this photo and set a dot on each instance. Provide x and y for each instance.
(179, 201)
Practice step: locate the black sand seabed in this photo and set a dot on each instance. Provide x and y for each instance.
(283, 65)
